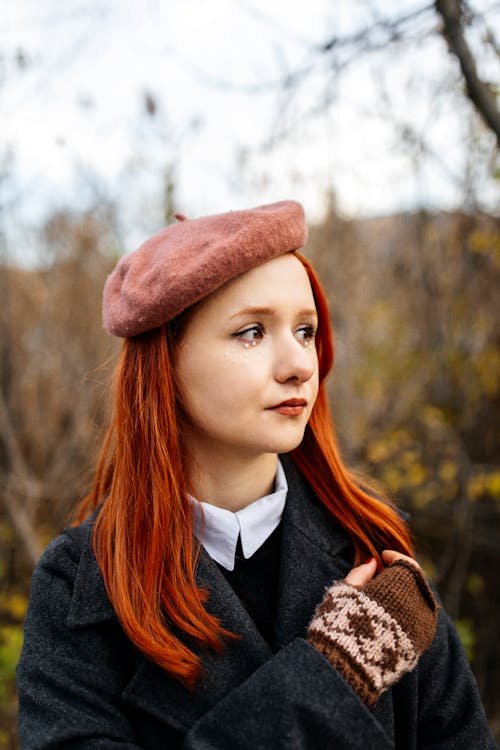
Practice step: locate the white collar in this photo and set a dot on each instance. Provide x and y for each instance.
(218, 529)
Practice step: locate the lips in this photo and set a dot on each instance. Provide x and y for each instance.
(293, 407)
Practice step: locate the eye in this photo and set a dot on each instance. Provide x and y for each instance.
(251, 333)
(306, 333)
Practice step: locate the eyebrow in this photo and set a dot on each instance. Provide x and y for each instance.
(268, 312)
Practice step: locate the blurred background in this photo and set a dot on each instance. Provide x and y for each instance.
(383, 118)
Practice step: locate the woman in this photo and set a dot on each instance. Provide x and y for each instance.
(235, 586)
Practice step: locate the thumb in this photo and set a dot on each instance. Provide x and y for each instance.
(361, 574)
(389, 556)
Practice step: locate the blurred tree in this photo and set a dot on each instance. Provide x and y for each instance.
(409, 26)
(49, 340)
(415, 86)
(456, 14)
(52, 403)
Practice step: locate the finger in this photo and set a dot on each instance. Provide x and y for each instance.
(390, 555)
(361, 574)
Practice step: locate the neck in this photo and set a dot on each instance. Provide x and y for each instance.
(231, 482)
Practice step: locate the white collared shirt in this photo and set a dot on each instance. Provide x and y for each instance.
(218, 529)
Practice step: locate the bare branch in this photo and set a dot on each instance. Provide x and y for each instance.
(451, 11)
(23, 523)
(19, 504)
(393, 27)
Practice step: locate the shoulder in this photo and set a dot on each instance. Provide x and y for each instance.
(65, 550)
(62, 557)
(67, 581)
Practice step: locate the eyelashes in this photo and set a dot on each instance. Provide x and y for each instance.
(255, 333)
(307, 333)
(251, 333)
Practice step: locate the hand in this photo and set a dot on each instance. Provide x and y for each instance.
(361, 574)
(390, 555)
(374, 628)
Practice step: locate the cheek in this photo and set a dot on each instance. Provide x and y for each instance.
(216, 389)
(315, 379)
(212, 378)
(314, 388)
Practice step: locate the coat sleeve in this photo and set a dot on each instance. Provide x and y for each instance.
(450, 714)
(67, 686)
(295, 700)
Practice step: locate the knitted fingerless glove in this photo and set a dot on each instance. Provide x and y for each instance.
(375, 634)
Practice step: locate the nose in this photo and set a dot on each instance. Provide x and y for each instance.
(295, 361)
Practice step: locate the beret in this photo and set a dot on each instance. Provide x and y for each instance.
(186, 261)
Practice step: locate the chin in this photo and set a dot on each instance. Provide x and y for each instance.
(284, 445)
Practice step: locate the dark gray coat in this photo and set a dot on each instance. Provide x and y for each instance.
(83, 685)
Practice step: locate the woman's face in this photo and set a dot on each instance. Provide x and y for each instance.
(246, 367)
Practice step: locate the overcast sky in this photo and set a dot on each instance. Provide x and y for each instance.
(73, 115)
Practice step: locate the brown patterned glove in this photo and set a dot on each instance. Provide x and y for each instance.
(375, 634)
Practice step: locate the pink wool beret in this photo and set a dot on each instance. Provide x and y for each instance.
(186, 261)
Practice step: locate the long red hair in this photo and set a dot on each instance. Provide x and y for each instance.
(143, 534)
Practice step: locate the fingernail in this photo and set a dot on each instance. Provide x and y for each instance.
(366, 562)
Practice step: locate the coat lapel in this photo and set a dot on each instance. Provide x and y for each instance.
(315, 551)
(167, 699)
